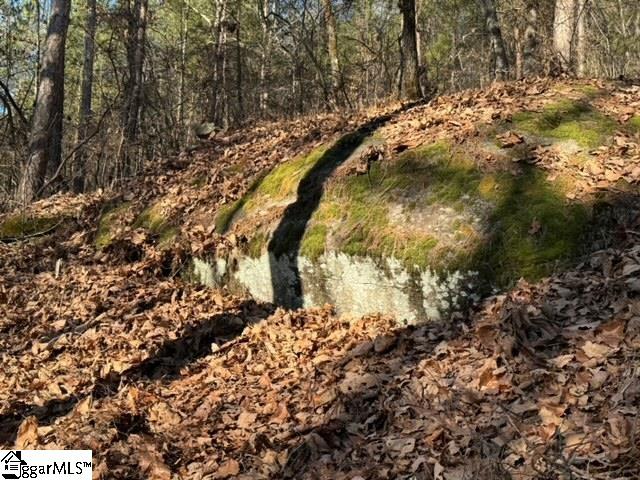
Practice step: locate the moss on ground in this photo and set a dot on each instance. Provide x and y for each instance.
(151, 219)
(589, 91)
(107, 224)
(155, 221)
(573, 120)
(634, 123)
(20, 226)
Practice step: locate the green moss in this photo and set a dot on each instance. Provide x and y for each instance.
(19, 226)
(438, 176)
(567, 120)
(314, 241)
(151, 219)
(256, 245)
(356, 211)
(634, 123)
(532, 230)
(282, 182)
(589, 91)
(227, 213)
(416, 251)
(107, 223)
(155, 222)
(529, 228)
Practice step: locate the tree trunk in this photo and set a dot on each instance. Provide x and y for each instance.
(85, 114)
(46, 128)
(563, 32)
(218, 103)
(137, 35)
(184, 31)
(530, 39)
(409, 84)
(580, 48)
(501, 66)
(264, 57)
(332, 51)
(239, 96)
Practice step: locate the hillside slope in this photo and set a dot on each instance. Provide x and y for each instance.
(107, 345)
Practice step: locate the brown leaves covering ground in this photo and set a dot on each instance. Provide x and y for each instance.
(115, 353)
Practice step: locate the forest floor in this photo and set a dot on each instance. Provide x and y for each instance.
(106, 346)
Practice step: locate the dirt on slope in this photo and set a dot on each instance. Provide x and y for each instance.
(108, 348)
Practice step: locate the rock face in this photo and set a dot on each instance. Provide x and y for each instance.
(354, 285)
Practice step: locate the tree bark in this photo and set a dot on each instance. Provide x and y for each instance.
(184, 31)
(332, 51)
(85, 113)
(563, 32)
(137, 35)
(46, 128)
(218, 102)
(530, 39)
(501, 65)
(264, 56)
(409, 84)
(580, 48)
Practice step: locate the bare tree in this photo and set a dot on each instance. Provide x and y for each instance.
(264, 9)
(45, 142)
(84, 112)
(332, 50)
(409, 81)
(137, 34)
(530, 38)
(501, 65)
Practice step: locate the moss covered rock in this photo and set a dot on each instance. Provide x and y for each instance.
(420, 232)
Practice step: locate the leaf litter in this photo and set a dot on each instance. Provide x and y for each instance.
(112, 350)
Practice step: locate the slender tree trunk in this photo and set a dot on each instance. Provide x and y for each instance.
(409, 82)
(217, 108)
(264, 57)
(501, 68)
(183, 68)
(563, 31)
(137, 36)
(332, 51)
(85, 114)
(530, 39)
(46, 128)
(519, 52)
(580, 37)
(239, 96)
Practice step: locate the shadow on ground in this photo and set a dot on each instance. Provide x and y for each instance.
(164, 364)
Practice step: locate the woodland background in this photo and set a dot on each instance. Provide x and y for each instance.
(136, 79)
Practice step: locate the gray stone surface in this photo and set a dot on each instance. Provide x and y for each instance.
(356, 286)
